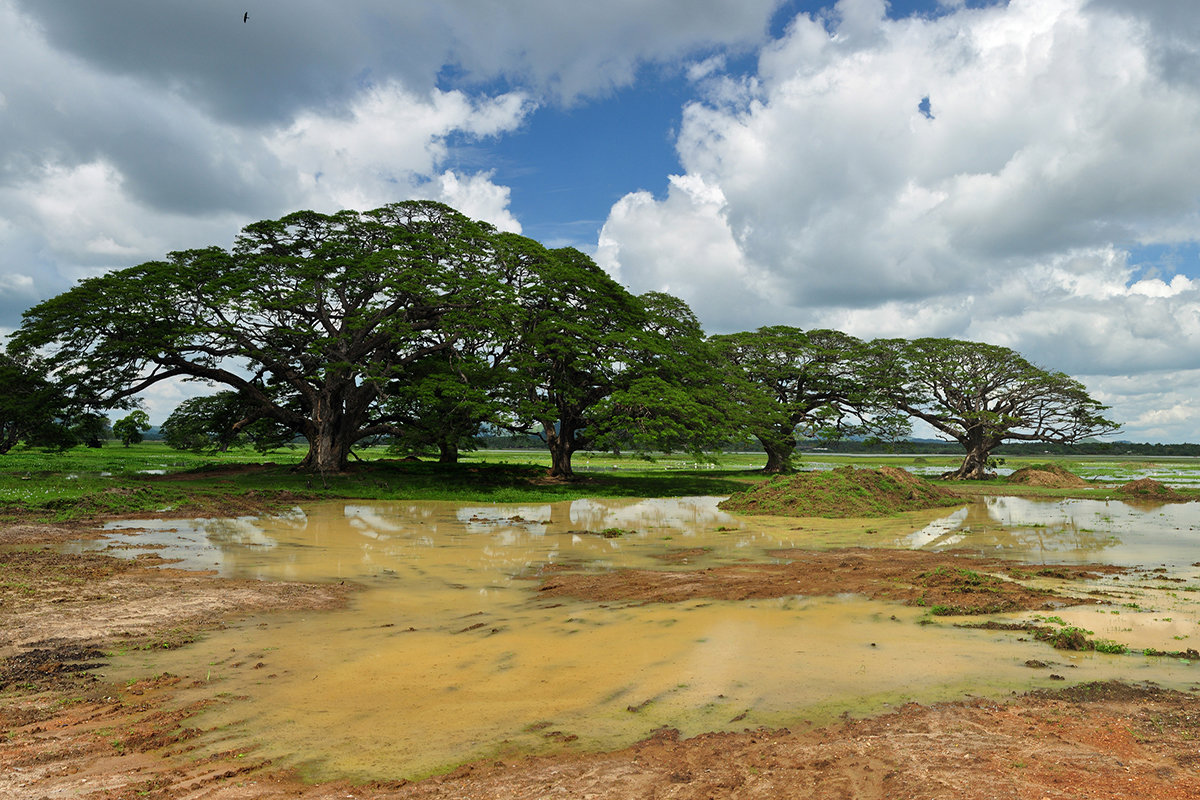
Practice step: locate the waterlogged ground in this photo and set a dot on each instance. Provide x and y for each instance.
(449, 652)
(1177, 472)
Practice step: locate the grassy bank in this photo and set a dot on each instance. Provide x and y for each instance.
(151, 478)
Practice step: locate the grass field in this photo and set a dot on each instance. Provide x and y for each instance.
(150, 477)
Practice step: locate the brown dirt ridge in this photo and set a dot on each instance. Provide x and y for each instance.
(946, 583)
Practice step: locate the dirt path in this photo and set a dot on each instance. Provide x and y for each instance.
(70, 735)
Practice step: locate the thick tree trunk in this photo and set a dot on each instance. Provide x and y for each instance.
(561, 444)
(330, 437)
(327, 453)
(974, 465)
(447, 452)
(779, 454)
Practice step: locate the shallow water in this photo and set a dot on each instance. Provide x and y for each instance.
(448, 654)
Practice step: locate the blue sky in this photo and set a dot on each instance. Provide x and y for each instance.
(1025, 173)
(567, 166)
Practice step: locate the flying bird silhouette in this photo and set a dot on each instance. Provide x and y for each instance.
(246, 16)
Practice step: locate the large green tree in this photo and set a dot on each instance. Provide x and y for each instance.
(444, 403)
(981, 395)
(33, 409)
(309, 317)
(589, 364)
(216, 422)
(130, 428)
(788, 381)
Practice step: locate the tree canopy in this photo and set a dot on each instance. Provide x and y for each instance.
(309, 317)
(589, 364)
(130, 428)
(415, 323)
(409, 321)
(981, 395)
(216, 422)
(790, 382)
(33, 409)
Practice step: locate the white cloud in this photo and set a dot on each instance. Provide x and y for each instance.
(390, 146)
(1053, 143)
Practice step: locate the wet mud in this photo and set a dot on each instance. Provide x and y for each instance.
(71, 733)
(951, 583)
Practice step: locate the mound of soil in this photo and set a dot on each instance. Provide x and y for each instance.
(1149, 489)
(841, 493)
(1048, 475)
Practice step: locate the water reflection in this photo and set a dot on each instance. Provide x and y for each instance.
(1068, 531)
(448, 653)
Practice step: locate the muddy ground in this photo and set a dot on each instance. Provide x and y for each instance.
(68, 734)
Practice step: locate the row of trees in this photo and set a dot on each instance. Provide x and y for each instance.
(416, 323)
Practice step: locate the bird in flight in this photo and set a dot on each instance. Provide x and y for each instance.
(246, 17)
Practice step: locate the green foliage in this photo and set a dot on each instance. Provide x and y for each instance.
(981, 395)
(129, 429)
(787, 383)
(589, 364)
(309, 317)
(33, 409)
(220, 421)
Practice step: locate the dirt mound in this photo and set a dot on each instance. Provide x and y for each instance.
(1049, 475)
(843, 492)
(1149, 489)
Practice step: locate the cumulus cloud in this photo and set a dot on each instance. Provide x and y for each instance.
(128, 128)
(981, 173)
(298, 54)
(391, 144)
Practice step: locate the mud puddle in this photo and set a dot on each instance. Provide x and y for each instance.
(448, 654)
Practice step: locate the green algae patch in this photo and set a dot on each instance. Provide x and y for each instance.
(841, 493)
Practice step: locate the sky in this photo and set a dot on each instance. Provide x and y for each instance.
(1025, 173)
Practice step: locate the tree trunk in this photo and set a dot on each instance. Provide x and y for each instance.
(447, 452)
(974, 465)
(561, 444)
(779, 453)
(326, 453)
(329, 435)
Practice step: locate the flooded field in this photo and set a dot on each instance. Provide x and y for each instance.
(449, 654)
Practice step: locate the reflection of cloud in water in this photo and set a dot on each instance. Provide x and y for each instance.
(528, 520)
(384, 522)
(934, 531)
(372, 520)
(684, 514)
(1109, 514)
(240, 532)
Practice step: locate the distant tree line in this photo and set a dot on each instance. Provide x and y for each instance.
(416, 325)
(928, 447)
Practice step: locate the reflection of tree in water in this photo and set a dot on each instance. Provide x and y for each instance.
(1029, 528)
(1040, 528)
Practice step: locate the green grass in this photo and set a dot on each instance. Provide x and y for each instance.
(84, 482)
(113, 480)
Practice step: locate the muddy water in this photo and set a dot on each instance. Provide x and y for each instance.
(448, 654)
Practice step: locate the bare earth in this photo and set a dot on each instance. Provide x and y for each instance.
(71, 735)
